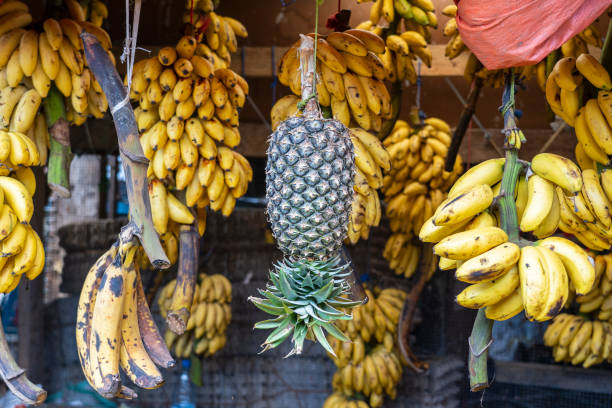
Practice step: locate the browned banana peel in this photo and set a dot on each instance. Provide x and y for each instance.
(15, 379)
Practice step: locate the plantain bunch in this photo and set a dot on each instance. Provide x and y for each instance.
(188, 118)
(368, 364)
(415, 186)
(217, 34)
(115, 329)
(350, 79)
(211, 313)
(406, 28)
(578, 340)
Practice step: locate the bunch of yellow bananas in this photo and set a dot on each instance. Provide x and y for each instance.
(403, 46)
(415, 186)
(188, 116)
(599, 300)
(211, 313)
(473, 67)
(21, 249)
(339, 400)
(579, 341)
(593, 121)
(506, 278)
(96, 11)
(351, 76)
(217, 31)
(115, 328)
(369, 363)
(169, 239)
(30, 61)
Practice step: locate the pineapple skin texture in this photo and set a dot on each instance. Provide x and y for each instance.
(309, 186)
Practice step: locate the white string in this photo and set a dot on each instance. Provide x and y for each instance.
(129, 49)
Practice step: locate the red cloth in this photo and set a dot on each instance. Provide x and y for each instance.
(510, 33)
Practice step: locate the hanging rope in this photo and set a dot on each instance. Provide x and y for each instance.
(274, 83)
(302, 104)
(129, 49)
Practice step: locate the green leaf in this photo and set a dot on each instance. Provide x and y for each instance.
(195, 371)
(322, 294)
(285, 287)
(316, 329)
(280, 334)
(334, 331)
(266, 307)
(270, 323)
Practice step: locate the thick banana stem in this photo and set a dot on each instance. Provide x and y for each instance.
(14, 376)
(60, 154)
(182, 298)
(134, 162)
(606, 49)
(479, 342)
(464, 121)
(481, 337)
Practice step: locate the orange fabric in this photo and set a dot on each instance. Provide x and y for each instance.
(510, 33)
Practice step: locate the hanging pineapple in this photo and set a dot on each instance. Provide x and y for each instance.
(309, 179)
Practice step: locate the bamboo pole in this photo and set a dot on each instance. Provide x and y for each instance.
(132, 158)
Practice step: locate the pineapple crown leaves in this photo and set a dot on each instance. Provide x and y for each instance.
(305, 297)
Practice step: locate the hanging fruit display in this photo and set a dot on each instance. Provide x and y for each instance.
(415, 186)
(406, 28)
(309, 191)
(573, 47)
(506, 278)
(350, 80)
(211, 313)
(369, 364)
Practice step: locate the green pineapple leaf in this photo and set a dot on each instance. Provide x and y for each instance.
(318, 332)
(266, 307)
(334, 331)
(270, 323)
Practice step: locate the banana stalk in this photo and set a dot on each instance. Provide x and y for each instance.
(481, 339)
(427, 265)
(182, 298)
(14, 376)
(134, 162)
(60, 154)
(464, 121)
(606, 50)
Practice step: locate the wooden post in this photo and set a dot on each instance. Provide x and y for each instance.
(30, 323)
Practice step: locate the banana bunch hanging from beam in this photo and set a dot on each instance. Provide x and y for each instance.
(115, 329)
(217, 34)
(188, 118)
(410, 22)
(350, 79)
(473, 68)
(94, 11)
(591, 120)
(21, 249)
(368, 365)
(598, 302)
(415, 186)
(579, 341)
(211, 313)
(36, 60)
(506, 278)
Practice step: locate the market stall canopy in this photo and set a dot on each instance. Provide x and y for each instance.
(505, 34)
